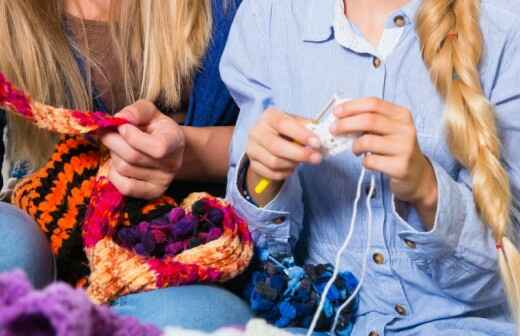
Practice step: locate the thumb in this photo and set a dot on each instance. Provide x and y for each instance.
(140, 113)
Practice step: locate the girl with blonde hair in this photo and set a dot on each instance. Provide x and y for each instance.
(435, 107)
(153, 62)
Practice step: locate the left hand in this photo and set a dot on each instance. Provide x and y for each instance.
(146, 153)
(389, 135)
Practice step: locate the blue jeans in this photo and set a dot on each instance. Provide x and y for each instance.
(24, 246)
(196, 307)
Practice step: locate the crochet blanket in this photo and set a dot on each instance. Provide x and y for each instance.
(123, 245)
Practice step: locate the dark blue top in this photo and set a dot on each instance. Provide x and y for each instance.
(210, 103)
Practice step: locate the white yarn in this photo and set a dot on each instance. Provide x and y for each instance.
(365, 259)
(327, 288)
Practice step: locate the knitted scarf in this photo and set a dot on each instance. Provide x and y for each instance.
(123, 245)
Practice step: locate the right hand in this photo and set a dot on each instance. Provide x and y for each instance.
(278, 144)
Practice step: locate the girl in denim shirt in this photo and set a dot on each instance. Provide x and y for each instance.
(436, 99)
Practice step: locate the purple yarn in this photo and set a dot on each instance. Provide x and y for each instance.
(184, 226)
(58, 310)
(175, 248)
(215, 216)
(176, 214)
(214, 234)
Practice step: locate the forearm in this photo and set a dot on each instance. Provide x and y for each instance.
(206, 155)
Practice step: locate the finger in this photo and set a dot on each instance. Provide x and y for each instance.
(364, 105)
(274, 175)
(118, 146)
(139, 113)
(158, 145)
(289, 150)
(295, 130)
(291, 127)
(390, 166)
(366, 123)
(154, 176)
(259, 153)
(134, 188)
(376, 144)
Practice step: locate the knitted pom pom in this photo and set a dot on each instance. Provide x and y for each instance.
(287, 295)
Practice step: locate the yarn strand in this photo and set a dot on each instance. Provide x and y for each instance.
(327, 288)
(366, 256)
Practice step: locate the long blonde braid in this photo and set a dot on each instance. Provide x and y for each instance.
(452, 46)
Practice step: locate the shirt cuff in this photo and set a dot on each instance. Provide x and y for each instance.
(275, 225)
(450, 215)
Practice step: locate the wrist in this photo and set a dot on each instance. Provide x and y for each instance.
(268, 194)
(427, 190)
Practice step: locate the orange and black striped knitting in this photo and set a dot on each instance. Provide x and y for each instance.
(81, 211)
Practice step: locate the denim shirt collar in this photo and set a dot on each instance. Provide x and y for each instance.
(321, 14)
(320, 18)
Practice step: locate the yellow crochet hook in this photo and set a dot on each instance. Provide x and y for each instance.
(262, 186)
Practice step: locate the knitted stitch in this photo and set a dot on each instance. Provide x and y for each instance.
(288, 295)
(58, 310)
(78, 207)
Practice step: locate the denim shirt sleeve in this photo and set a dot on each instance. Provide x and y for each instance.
(245, 70)
(460, 249)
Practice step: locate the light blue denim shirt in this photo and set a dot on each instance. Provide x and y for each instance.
(283, 53)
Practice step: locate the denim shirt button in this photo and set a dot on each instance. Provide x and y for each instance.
(378, 258)
(400, 310)
(279, 220)
(410, 244)
(399, 21)
(376, 62)
(373, 333)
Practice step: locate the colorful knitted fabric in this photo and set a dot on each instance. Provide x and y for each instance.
(288, 295)
(82, 213)
(58, 310)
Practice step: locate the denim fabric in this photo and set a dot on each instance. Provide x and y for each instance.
(23, 246)
(285, 54)
(196, 307)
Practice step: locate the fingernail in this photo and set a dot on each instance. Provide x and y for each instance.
(122, 130)
(336, 110)
(333, 128)
(315, 158)
(314, 142)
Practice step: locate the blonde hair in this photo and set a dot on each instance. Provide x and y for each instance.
(159, 45)
(452, 47)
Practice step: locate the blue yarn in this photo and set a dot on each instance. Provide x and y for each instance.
(20, 169)
(287, 295)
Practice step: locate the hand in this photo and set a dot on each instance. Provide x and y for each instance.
(277, 144)
(146, 153)
(390, 139)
